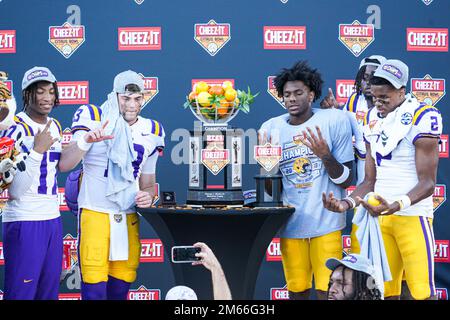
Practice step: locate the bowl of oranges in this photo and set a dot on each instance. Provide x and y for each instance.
(218, 103)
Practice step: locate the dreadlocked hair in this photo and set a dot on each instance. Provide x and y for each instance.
(360, 75)
(29, 94)
(300, 72)
(364, 286)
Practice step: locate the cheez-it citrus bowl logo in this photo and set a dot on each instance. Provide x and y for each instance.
(73, 92)
(69, 296)
(7, 41)
(356, 37)
(441, 293)
(62, 200)
(66, 137)
(2, 258)
(150, 87)
(139, 1)
(66, 38)
(142, 293)
(9, 84)
(70, 252)
(344, 89)
(441, 251)
(139, 38)
(347, 244)
(152, 250)
(427, 89)
(427, 2)
(427, 39)
(279, 293)
(443, 146)
(273, 91)
(439, 196)
(273, 252)
(212, 36)
(285, 37)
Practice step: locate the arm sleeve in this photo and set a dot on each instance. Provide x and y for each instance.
(85, 119)
(149, 166)
(427, 123)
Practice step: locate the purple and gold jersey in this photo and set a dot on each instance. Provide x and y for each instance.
(148, 140)
(40, 201)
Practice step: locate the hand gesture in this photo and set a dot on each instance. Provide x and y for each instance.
(143, 199)
(384, 208)
(43, 140)
(317, 144)
(207, 257)
(98, 135)
(333, 204)
(263, 138)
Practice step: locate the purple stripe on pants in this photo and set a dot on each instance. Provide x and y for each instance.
(33, 259)
(42, 189)
(429, 255)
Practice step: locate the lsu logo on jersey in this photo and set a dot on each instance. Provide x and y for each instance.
(273, 91)
(299, 164)
(356, 37)
(212, 36)
(150, 87)
(66, 137)
(284, 37)
(441, 252)
(142, 293)
(427, 39)
(66, 38)
(441, 293)
(346, 244)
(69, 296)
(279, 293)
(427, 89)
(70, 252)
(139, 38)
(344, 89)
(2, 258)
(7, 41)
(152, 250)
(273, 252)
(443, 146)
(439, 196)
(62, 200)
(73, 92)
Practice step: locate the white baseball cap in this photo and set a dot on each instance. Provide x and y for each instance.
(367, 61)
(394, 71)
(36, 74)
(181, 293)
(125, 78)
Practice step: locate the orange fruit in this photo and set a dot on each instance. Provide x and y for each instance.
(230, 94)
(227, 84)
(203, 99)
(236, 102)
(201, 86)
(216, 90)
(192, 96)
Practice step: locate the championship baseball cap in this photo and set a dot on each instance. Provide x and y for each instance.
(181, 293)
(368, 61)
(125, 78)
(36, 74)
(394, 71)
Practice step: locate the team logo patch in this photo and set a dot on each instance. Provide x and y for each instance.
(70, 252)
(441, 252)
(152, 250)
(356, 37)
(393, 70)
(73, 92)
(62, 200)
(443, 146)
(427, 2)
(7, 41)
(406, 118)
(151, 88)
(212, 36)
(142, 293)
(439, 196)
(273, 252)
(279, 293)
(267, 156)
(285, 37)
(118, 218)
(66, 38)
(344, 89)
(427, 39)
(347, 244)
(427, 89)
(273, 91)
(139, 38)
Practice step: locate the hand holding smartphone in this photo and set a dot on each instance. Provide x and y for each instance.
(185, 254)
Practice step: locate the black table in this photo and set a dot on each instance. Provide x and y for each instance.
(238, 237)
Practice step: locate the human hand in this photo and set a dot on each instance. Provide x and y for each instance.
(333, 204)
(207, 257)
(330, 101)
(98, 135)
(143, 199)
(43, 140)
(384, 208)
(317, 144)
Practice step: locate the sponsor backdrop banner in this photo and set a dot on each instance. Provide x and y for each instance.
(173, 44)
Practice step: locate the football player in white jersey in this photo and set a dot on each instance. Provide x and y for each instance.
(402, 138)
(109, 245)
(32, 226)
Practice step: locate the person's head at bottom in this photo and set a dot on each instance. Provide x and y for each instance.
(352, 278)
(181, 293)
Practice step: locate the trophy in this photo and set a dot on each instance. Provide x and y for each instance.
(215, 148)
(268, 157)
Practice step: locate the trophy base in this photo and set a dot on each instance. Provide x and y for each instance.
(215, 197)
(268, 204)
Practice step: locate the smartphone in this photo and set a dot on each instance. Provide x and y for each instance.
(184, 254)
